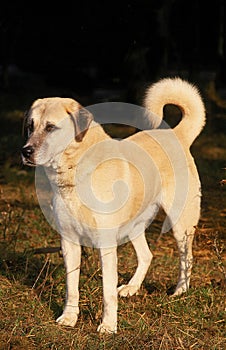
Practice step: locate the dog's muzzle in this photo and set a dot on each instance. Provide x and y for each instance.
(27, 155)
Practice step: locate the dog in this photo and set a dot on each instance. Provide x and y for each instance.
(90, 174)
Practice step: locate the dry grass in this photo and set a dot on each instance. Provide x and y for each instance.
(32, 287)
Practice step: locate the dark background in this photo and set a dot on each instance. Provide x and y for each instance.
(99, 47)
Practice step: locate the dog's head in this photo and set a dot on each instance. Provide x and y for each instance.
(50, 125)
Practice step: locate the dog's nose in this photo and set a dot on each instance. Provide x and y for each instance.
(27, 151)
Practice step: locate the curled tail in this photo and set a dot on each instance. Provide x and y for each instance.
(184, 95)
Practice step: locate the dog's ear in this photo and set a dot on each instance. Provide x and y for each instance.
(81, 118)
(82, 121)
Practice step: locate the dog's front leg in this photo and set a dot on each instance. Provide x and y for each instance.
(72, 260)
(108, 258)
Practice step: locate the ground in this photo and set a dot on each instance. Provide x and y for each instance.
(32, 283)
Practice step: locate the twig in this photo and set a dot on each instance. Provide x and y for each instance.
(39, 275)
(45, 250)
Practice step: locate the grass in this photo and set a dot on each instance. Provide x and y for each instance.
(32, 286)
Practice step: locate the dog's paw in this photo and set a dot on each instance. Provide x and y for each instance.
(180, 290)
(127, 290)
(67, 319)
(106, 329)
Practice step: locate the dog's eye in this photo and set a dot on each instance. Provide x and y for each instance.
(30, 127)
(50, 127)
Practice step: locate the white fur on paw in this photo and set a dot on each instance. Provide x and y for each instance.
(179, 291)
(106, 329)
(127, 290)
(68, 319)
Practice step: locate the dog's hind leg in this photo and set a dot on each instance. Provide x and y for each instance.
(184, 243)
(144, 257)
(183, 231)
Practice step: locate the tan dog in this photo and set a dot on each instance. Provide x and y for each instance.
(106, 191)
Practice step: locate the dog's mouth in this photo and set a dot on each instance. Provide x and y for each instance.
(28, 162)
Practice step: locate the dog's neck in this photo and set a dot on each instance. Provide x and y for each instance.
(94, 135)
